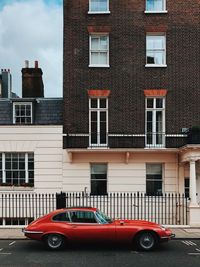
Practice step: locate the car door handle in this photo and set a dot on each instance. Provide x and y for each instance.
(74, 226)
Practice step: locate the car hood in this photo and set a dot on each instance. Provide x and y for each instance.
(136, 223)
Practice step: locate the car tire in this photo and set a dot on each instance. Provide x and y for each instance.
(54, 241)
(146, 241)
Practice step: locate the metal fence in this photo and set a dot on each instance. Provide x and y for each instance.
(21, 209)
(170, 209)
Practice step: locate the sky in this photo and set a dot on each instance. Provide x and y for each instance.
(32, 30)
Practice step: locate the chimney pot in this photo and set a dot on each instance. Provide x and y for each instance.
(36, 64)
(26, 64)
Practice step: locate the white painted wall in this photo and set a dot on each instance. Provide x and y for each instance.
(46, 144)
(122, 177)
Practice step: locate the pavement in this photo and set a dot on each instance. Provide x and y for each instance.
(181, 233)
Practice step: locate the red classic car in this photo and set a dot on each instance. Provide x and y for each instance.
(91, 225)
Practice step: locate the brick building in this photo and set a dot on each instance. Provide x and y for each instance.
(131, 97)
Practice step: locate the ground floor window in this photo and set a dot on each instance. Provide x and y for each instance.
(187, 187)
(15, 221)
(17, 169)
(98, 179)
(154, 179)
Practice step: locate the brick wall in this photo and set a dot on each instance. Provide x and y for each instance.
(127, 77)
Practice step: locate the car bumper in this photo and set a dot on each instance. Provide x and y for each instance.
(31, 232)
(37, 235)
(167, 238)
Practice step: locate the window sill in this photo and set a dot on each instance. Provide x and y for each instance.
(155, 147)
(99, 66)
(156, 12)
(155, 66)
(98, 12)
(98, 147)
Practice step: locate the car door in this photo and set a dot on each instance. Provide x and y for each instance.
(86, 228)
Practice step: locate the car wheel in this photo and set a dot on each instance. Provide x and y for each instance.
(146, 241)
(54, 241)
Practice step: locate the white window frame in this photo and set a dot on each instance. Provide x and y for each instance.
(98, 35)
(164, 52)
(98, 12)
(98, 110)
(105, 180)
(163, 171)
(163, 11)
(20, 104)
(154, 110)
(26, 166)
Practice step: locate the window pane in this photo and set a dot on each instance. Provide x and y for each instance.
(61, 217)
(154, 188)
(159, 58)
(30, 174)
(98, 187)
(103, 133)
(82, 217)
(94, 58)
(159, 119)
(103, 42)
(94, 43)
(98, 5)
(149, 102)
(102, 58)
(150, 58)
(15, 165)
(94, 116)
(99, 168)
(159, 102)
(158, 42)
(155, 5)
(23, 110)
(154, 169)
(103, 116)
(93, 103)
(103, 103)
(30, 165)
(187, 187)
(28, 110)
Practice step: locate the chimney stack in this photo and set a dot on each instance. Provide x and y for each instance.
(32, 83)
(5, 83)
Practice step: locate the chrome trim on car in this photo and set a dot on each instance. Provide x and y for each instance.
(169, 236)
(31, 232)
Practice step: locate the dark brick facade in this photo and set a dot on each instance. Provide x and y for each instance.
(127, 77)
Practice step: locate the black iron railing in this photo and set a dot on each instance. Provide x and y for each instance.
(22, 208)
(169, 209)
(148, 140)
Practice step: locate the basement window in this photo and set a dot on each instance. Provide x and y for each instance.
(16, 221)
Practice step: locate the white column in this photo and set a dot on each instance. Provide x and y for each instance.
(193, 184)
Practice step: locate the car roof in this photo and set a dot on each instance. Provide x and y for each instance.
(74, 208)
(81, 208)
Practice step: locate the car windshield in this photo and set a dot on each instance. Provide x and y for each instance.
(102, 217)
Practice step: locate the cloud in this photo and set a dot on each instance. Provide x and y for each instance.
(32, 30)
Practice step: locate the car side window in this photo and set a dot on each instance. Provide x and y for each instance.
(83, 217)
(61, 217)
